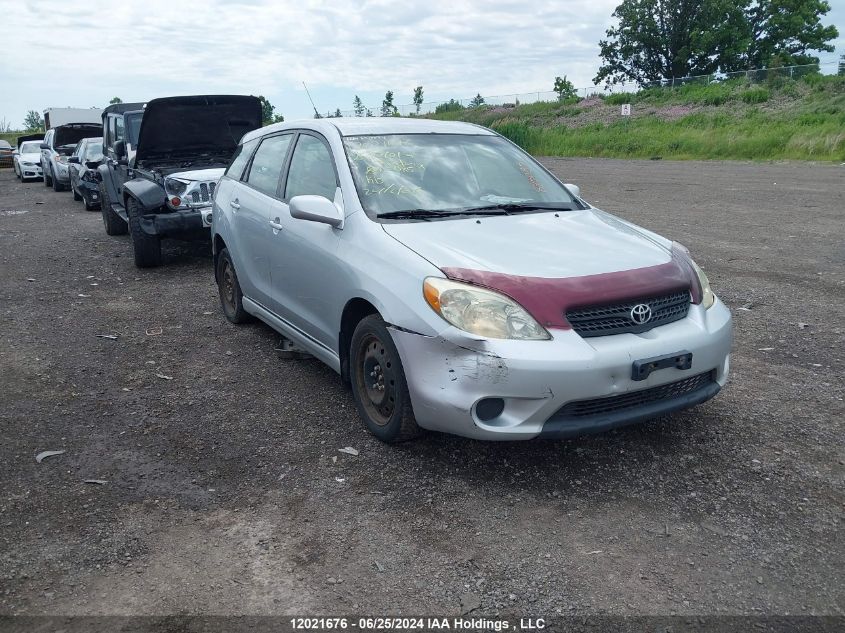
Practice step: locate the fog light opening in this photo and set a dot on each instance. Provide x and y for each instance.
(489, 408)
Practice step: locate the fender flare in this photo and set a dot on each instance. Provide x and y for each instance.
(149, 195)
(106, 179)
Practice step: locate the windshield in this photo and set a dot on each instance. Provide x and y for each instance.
(440, 172)
(133, 124)
(30, 147)
(94, 150)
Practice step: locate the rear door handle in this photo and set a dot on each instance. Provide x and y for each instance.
(276, 224)
(234, 204)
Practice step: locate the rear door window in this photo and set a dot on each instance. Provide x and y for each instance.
(267, 164)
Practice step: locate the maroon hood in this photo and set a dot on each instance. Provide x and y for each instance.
(548, 299)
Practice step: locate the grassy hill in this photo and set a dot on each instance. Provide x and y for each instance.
(800, 119)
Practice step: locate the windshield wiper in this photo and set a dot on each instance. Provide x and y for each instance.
(523, 206)
(424, 214)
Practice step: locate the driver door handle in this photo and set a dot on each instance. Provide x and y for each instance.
(234, 204)
(276, 224)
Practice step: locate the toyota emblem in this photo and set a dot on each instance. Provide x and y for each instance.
(641, 314)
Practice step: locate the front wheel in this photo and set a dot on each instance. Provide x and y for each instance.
(147, 248)
(115, 225)
(57, 186)
(48, 182)
(378, 383)
(76, 195)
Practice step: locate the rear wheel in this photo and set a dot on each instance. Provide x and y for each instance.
(115, 225)
(231, 297)
(378, 383)
(147, 248)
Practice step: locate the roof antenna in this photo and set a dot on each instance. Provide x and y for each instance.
(316, 114)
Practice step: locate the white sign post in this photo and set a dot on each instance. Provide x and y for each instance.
(626, 109)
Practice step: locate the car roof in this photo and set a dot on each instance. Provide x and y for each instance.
(361, 126)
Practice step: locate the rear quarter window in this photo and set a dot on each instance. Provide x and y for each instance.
(240, 159)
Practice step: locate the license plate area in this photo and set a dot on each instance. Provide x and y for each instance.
(642, 369)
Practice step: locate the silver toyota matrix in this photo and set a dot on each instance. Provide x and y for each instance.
(457, 285)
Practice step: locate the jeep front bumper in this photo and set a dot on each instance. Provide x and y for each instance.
(177, 223)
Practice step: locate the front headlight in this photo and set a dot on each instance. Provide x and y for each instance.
(707, 296)
(481, 311)
(175, 186)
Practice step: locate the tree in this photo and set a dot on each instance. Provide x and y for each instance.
(418, 98)
(358, 106)
(662, 39)
(33, 121)
(278, 118)
(267, 110)
(786, 29)
(449, 106)
(477, 101)
(842, 65)
(337, 113)
(564, 88)
(369, 112)
(115, 100)
(387, 107)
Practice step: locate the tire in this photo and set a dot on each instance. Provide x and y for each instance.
(147, 248)
(76, 196)
(378, 383)
(57, 186)
(48, 182)
(18, 174)
(115, 225)
(229, 289)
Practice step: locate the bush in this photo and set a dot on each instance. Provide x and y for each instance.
(755, 95)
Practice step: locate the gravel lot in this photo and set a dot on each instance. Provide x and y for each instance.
(225, 492)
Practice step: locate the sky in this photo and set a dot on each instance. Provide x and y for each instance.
(59, 53)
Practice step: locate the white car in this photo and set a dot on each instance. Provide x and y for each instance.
(27, 159)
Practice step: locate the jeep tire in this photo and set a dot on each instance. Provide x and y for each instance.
(115, 225)
(147, 248)
(48, 182)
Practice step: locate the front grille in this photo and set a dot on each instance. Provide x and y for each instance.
(616, 318)
(204, 191)
(632, 399)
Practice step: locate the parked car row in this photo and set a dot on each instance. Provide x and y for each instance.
(452, 281)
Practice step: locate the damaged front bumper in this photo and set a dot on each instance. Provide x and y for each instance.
(519, 390)
(193, 222)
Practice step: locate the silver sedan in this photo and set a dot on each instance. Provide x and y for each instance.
(457, 285)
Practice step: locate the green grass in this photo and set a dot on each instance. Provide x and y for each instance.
(788, 119)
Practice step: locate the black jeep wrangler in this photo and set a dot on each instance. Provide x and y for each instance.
(183, 146)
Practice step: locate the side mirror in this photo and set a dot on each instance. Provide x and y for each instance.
(575, 190)
(44, 146)
(74, 160)
(120, 149)
(315, 209)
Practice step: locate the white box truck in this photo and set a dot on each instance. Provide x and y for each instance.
(54, 117)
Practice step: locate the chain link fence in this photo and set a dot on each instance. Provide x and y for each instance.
(764, 75)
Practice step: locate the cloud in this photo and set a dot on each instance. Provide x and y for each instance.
(60, 53)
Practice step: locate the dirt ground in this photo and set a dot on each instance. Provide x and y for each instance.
(225, 492)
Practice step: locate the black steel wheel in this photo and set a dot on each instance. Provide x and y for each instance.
(378, 383)
(231, 297)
